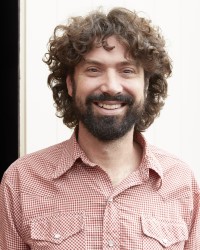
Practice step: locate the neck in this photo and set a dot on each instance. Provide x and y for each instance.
(118, 158)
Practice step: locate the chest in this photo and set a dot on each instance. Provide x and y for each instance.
(91, 215)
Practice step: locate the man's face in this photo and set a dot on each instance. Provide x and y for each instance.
(108, 92)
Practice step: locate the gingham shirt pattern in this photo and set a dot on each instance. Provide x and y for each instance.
(57, 199)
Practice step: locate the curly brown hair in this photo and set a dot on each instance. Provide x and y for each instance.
(142, 41)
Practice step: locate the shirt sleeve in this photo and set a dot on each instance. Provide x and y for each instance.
(194, 234)
(10, 238)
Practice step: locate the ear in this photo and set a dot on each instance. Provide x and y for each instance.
(69, 85)
(146, 87)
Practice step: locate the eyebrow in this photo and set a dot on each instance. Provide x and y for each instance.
(98, 63)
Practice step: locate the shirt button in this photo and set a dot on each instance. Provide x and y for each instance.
(111, 243)
(57, 236)
(165, 241)
(110, 199)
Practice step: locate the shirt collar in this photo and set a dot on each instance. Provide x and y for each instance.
(72, 152)
(150, 166)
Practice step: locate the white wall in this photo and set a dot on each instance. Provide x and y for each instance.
(176, 130)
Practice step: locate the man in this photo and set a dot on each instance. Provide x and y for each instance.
(105, 187)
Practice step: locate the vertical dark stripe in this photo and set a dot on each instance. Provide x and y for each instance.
(9, 83)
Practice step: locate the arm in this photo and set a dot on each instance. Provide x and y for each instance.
(193, 242)
(9, 218)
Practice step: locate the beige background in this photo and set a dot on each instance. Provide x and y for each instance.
(176, 130)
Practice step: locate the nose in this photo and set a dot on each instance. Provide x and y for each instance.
(111, 83)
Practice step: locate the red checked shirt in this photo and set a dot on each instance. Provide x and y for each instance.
(57, 199)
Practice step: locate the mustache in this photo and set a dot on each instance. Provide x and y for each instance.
(127, 99)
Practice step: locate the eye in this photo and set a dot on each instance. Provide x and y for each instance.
(128, 72)
(93, 71)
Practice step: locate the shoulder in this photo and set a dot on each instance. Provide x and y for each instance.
(38, 163)
(177, 174)
(162, 157)
(168, 159)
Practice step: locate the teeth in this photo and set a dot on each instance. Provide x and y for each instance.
(109, 106)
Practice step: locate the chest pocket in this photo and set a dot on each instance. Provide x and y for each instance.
(163, 233)
(56, 229)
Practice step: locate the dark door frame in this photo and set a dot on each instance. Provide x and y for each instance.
(9, 85)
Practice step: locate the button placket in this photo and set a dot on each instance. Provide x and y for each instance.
(111, 226)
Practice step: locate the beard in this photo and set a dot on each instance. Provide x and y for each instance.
(107, 127)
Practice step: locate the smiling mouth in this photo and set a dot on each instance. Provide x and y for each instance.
(110, 106)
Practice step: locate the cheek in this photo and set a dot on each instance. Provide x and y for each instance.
(80, 94)
(137, 91)
(85, 88)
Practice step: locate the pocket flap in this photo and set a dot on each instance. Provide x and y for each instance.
(166, 231)
(56, 228)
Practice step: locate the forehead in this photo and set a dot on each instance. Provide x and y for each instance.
(114, 52)
(109, 46)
